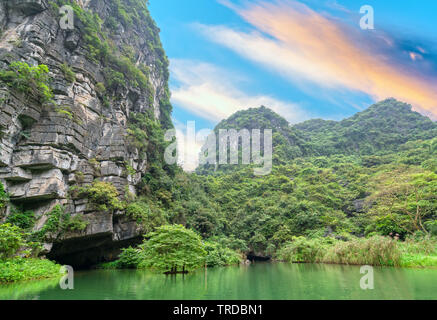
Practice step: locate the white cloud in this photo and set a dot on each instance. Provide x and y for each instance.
(274, 55)
(212, 93)
(321, 54)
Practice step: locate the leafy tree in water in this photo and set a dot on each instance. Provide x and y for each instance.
(173, 249)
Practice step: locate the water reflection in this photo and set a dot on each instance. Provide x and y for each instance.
(260, 281)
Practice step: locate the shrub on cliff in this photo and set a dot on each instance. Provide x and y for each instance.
(33, 81)
(147, 218)
(103, 196)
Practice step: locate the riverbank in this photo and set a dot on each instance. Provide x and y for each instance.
(26, 269)
(374, 251)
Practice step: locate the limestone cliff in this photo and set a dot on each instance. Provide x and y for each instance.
(109, 66)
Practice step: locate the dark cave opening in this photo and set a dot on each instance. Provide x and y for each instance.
(86, 253)
(257, 258)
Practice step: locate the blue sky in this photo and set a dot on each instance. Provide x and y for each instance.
(304, 59)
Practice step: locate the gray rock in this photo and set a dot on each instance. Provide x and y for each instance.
(44, 150)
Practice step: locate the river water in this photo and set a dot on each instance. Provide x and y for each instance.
(262, 281)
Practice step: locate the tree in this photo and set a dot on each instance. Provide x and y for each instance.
(173, 249)
(11, 240)
(408, 197)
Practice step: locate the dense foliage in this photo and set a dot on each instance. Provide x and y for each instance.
(32, 81)
(172, 249)
(17, 269)
(312, 208)
(102, 196)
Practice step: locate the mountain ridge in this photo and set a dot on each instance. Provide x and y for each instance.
(382, 127)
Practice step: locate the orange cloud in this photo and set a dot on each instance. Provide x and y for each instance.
(323, 47)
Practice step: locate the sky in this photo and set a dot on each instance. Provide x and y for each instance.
(303, 59)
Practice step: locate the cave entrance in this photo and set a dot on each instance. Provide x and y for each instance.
(257, 258)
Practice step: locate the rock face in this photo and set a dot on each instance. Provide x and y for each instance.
(43, 151)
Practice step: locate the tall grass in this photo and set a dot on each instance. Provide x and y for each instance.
(375, 251)
(419, 252)
(302, 249)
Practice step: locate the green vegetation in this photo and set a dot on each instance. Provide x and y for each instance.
(23, 219)
(376, 251)
(11, 240)
(353, 192)
(69, 75)
(16, 263)
(3, 199)
(19, 269)
(220, 256)
(103, 196)
(32, 81)
(148, 219)
(172, 249)
(20, 245)
(129, 258)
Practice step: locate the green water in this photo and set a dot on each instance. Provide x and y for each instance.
(260, 281)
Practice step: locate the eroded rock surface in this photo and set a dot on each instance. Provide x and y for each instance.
(43, 152)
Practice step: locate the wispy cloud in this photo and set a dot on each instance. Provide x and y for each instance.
(213, 93)
(307, 47)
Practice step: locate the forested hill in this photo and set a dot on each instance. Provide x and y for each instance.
(372, 174)
(381, 129)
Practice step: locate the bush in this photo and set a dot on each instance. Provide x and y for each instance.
(69, 75)
(172, 249)
(18, 269)
(11, 240)
(24, 220)
(219, 256)
(144, 216)
(375, 251)
(3, 197)
(129, 258)
(301, 249)
(29, 80)
(102, 195)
